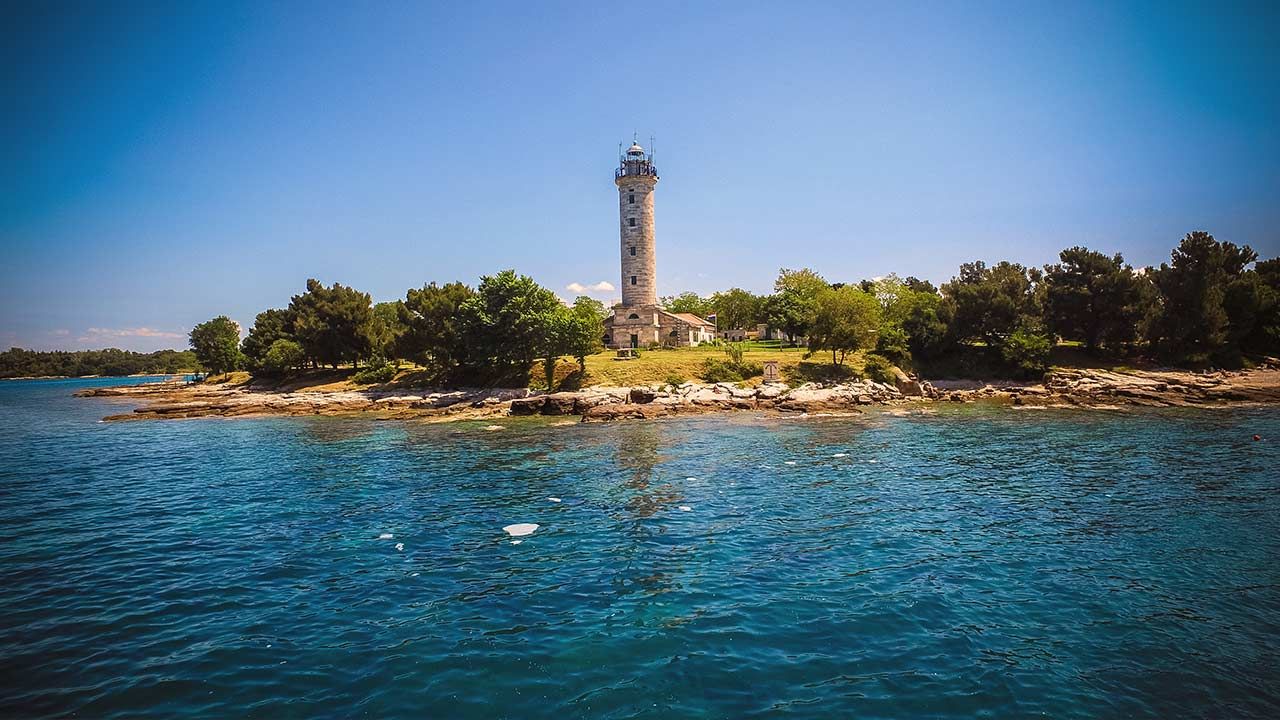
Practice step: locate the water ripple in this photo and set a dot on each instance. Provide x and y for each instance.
(973, 562)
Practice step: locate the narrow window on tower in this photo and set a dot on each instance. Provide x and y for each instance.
(631, 222)
(631, 199)
(633, 250)
(633, 279)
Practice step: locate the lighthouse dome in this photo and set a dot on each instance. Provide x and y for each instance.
(635, 149)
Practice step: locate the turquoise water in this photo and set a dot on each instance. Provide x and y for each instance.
(982, 562)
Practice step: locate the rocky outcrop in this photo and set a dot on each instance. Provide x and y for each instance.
(1076, 387)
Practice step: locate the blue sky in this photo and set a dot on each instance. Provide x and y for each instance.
(165, 163)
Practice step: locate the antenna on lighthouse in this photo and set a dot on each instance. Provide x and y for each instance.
(652, 153)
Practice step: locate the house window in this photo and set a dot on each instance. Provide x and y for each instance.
(633, 250)
(631, 199)
(631, 222)
(633, 279)
(633, 316)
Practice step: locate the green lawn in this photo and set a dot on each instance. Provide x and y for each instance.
(660, 366)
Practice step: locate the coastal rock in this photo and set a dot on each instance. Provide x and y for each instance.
(642, 395)
(771, 391)
(1086, 388)
(526, 406)
(561, 403)
(906, 385)
(625, 411)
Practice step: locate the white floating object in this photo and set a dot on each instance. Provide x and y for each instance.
(789, 462)
(516, 542)
(691, 479)
(414, 574)
(685, 508)
(520, 529)
(400, 547)
(491, 428)
(554, 499)
(873, 461)
(385, 536)
(841, 455)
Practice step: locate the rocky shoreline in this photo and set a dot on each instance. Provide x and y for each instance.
(1063, 387)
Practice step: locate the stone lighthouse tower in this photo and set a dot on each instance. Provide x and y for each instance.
(638, 321)
(636, 178)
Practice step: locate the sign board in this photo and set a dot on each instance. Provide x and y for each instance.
(771, 371)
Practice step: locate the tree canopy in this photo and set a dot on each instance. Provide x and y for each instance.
(736, 309)
(1194, 323)
(846, 320)
(687, 302)
(216, 344)
(507, 325)
(268, 327)
(334, 324)
(1096, 299)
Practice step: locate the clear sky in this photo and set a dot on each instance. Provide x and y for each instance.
(167, 162)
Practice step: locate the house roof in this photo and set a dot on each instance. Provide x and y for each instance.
(692, 319)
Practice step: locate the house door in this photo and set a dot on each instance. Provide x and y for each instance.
(635, 340)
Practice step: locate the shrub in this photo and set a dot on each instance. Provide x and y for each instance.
(878, 368)
(893, 345)
(282, 357)
(714, 370)
(675, 379)
(735, 353)
(377, 371)
(1026, 353)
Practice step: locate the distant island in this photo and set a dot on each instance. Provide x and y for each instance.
(1088, 331)
(1214, 305)
(18, 363)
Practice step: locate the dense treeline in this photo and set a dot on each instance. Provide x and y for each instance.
(17, 362)
(1211, 304)
(1206, 307)
(494, 333)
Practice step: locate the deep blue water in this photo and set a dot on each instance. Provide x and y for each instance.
(981, 562)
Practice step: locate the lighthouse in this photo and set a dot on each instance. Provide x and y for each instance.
(636, 178)
(638, 321)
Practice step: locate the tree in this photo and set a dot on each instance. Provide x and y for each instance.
(432, 335)
(217, 344)
(575, 330)
(334, 324)
(1096, 299)
(283, 356)
(509, 323)
(927, 326)
(915, 284)
(1265, 334)
(388, 327)
(584, 331)
(846, 320)
(268, 327)
(990, 303)
(736, 309)
(793, 303)
(1193, 322)
(804, 281)
(687, 302)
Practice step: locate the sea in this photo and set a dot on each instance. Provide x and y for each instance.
(977, 561)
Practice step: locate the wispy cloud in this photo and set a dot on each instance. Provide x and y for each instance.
(601, 287)
(100, 334)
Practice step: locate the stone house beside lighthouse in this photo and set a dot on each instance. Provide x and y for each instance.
(638, 321)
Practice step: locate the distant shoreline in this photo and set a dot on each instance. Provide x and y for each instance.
(98, 377)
